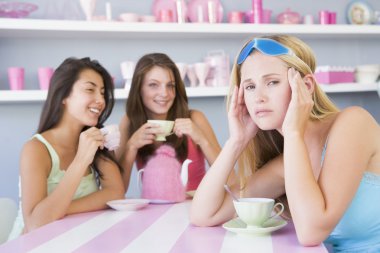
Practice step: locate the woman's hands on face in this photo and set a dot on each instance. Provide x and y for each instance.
(242, 127)
(300, 105)
(144, 135)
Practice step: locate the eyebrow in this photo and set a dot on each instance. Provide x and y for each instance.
(94, 84)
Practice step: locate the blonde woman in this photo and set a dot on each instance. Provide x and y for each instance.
(292, 143)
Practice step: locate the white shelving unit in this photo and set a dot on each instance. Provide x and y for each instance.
(34, 28)
(40, 95)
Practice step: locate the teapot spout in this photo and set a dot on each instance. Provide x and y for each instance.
(185, 171)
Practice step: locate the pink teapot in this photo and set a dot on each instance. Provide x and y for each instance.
(164, 179)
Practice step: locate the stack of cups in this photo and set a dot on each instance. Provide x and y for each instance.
(257, 7)
(16, 78)
(327, 18)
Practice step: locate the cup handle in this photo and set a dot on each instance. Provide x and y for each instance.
(279, 212)
(139, 178)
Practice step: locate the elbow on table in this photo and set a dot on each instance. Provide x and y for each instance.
(309, 238)
(201, 220)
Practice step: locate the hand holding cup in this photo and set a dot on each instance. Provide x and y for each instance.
(112, 137)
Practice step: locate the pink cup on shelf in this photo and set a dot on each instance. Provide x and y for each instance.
(267, 14)
(16, 78)
(44, 76)
(166, 15)
(235, 17)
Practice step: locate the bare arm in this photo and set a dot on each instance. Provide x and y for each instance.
(112, 187)
(317, 207)
(39, 207)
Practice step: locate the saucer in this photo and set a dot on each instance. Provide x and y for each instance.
(128, 204)
(239, 227)
(161, 201)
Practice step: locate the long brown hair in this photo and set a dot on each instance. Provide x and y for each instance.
(60, 87)
(267, 145)
(136, 109)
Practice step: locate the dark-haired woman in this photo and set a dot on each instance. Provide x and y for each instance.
(64, 168)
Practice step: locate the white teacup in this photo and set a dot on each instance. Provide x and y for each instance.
(255, 211)
(111, 136)
(166, 127)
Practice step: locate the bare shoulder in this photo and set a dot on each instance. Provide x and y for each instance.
(356, 119)
(197, 115)
(124, 122)
(35, 155)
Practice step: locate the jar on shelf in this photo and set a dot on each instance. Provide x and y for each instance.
(288, 17)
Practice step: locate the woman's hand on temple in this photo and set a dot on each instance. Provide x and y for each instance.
(300, 105)
(242, 127)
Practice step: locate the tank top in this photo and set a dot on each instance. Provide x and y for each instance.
(359, 228)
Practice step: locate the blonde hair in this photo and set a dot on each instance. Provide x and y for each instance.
(267, 145)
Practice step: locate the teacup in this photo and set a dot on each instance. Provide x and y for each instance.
(111, 136)
(166, 127)
(256, 211)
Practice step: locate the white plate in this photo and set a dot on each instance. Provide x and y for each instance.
(359, 13)
(161, 201)
(239, 227)
(128, 204)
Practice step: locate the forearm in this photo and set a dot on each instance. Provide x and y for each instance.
(95, 201)
(210, 150)
(210, 205)
(305, 198)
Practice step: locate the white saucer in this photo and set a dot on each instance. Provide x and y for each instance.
(239, 227)
(161, 201)
(128, 204)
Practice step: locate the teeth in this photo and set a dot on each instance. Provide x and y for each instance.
(95, 110)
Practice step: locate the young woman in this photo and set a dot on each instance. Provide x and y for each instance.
(64, 168)
(293, 144)
(158, 92)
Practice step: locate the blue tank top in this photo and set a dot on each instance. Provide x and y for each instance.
(359, 228)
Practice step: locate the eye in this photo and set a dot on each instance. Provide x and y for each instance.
(273, 82)
(250, 86)
(171, 85)
(152, 85)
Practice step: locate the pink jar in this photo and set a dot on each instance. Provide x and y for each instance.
(288, 17)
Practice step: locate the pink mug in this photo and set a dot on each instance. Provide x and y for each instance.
(16, 78)
(44, 76)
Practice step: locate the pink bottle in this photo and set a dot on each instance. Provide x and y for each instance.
(161, 177)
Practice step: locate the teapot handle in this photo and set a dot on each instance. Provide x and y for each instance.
(139, 178)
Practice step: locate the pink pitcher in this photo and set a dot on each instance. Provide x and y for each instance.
(164, 179)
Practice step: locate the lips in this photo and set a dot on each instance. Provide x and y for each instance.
(262, 112)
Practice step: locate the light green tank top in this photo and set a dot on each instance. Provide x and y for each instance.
(87, 185)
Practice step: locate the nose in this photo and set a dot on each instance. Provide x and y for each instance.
(260, 95)
(164, 90)
(100, 98)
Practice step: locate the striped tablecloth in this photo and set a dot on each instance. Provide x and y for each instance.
(156, 228)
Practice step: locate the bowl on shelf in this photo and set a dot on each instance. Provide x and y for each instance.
(16, 9)
(129, 17)
(367, 73)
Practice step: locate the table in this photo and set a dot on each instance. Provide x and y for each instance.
(156, 228)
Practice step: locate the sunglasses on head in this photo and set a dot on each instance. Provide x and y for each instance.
(265, 46)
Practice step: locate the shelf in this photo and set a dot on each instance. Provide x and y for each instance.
(40, 95)
(40, 28)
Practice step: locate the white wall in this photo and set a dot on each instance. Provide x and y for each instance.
(18, 121)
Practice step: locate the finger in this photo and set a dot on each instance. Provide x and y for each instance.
(241, 96)
(234, 97)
